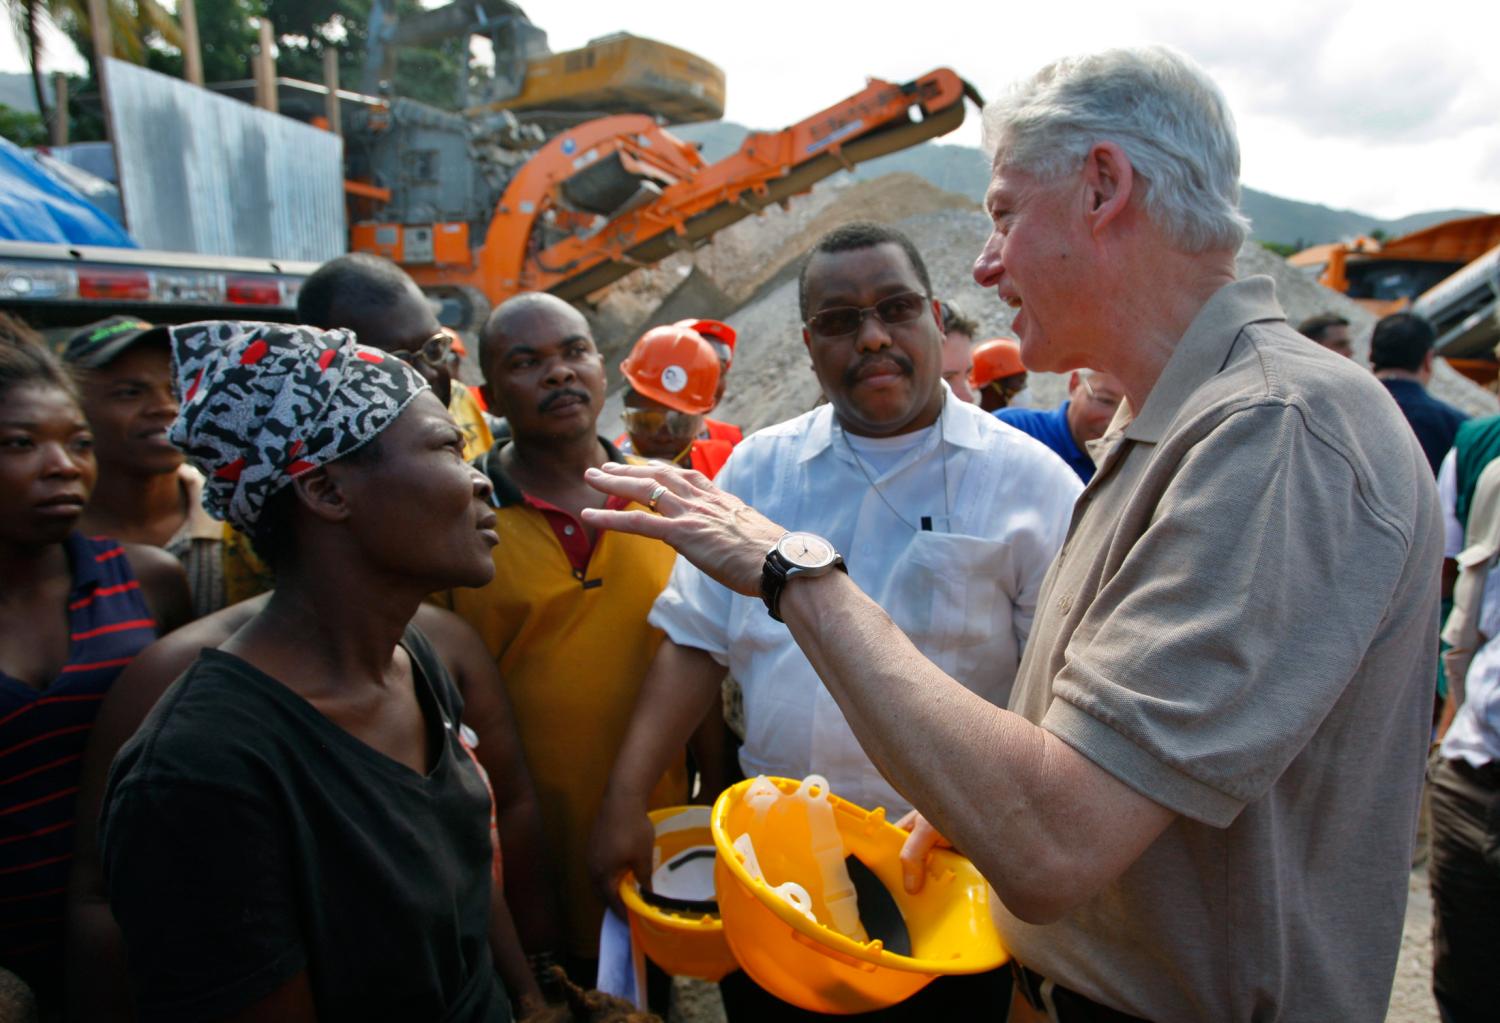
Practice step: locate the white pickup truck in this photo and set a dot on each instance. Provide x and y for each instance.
(55, 287)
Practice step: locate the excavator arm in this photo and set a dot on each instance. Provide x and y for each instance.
(618, 193)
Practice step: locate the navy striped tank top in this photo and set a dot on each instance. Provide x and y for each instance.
(42, 735)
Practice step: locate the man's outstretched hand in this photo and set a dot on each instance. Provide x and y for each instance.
(726, 538)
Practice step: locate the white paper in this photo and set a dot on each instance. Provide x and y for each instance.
(616, 964)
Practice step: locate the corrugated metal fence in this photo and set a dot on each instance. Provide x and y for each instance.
(203, 173)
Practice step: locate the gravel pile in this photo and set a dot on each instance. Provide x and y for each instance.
(750, 267)
(771, 380)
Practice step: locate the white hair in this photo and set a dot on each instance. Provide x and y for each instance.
(1158, 106)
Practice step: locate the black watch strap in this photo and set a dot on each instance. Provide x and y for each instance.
(773, 578)
(773, 581)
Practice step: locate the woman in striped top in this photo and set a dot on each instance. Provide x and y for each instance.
(73, 611)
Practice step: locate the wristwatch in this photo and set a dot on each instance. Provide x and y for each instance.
(795, 554)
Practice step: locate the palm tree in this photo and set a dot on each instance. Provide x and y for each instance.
(26, 19)
(132, 22)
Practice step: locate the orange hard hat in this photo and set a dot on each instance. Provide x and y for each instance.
(995, 360)
(675, 366)
(712, 331)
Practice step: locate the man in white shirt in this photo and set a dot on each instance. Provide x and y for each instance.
(948, 518)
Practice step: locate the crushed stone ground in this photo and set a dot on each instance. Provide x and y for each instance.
(694, 1001)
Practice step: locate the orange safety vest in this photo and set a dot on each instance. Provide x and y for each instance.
(709, 456)
(713, 429)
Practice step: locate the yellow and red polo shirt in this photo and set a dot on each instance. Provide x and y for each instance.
(566, 625)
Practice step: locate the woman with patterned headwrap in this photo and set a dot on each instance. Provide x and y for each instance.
(297, 831)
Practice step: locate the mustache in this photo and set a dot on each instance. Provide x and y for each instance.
(561, 393)
(899, 359)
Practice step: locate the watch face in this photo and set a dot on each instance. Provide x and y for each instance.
(806, 550)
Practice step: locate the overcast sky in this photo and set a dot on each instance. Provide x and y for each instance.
(1383, 107)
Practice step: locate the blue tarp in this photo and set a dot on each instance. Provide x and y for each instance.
(37, 207)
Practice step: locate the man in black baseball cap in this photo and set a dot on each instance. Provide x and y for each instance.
(146, 493)
(97, 344)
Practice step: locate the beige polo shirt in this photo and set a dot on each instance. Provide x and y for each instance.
(1242, 626)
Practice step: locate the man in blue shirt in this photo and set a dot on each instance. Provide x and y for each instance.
(1401, 356)
(1092, 400)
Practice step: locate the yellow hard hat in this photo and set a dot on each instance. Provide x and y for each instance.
(684, 938)
(780, 911)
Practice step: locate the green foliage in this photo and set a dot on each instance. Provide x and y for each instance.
(226, 38)
(228, 33)
(22, 127)
(305, 28)
(136, 26)
(1282, 249)
(85, 117)
(1378, 233)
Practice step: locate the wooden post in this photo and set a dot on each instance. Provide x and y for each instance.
(265, 69)
(331, 109)
(99, 32)
(192, 53)
(60, 110)
(104, 49)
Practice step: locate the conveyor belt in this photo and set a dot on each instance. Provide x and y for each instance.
(798, 180)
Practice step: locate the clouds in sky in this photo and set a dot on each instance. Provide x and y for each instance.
(1353, 74)
(1380, 106)
(1385, 106)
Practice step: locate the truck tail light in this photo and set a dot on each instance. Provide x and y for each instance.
(115, 285)
(252, 291)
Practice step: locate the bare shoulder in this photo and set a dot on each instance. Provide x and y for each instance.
(163, 582)
(463, 653)
(155, 668)
(152, 565)
(454, 639)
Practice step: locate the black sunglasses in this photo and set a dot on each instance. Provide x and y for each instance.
(844, 320)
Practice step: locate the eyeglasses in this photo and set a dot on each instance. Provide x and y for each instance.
(844, 320)
(433, 351)
(1106, 403)
(648, 421)
(1009, 387)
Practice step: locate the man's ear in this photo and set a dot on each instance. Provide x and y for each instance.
(318, 491)
(489, 397)
(1109, 183)
(937, 314)
(1073, 379)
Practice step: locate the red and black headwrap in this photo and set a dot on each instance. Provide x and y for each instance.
(265, 402)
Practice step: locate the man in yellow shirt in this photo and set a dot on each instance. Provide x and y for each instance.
(565, 615)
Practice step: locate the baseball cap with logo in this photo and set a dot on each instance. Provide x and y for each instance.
(101, 342)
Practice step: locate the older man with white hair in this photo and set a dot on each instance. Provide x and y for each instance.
(1202, 800)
